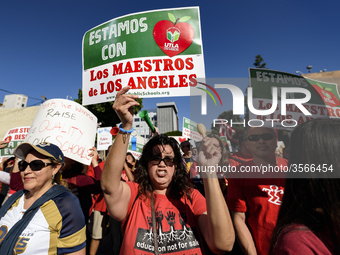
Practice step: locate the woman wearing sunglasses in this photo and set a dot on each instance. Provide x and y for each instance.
(160, 212)
(44, 217)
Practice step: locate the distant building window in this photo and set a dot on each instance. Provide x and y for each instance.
(136, 119)
(23, 105)
(137, 125)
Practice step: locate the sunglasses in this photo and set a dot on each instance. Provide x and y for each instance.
(169, 161)
(265, 137)
(35, 165)
(128, 164)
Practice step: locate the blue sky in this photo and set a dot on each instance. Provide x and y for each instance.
(41, 41)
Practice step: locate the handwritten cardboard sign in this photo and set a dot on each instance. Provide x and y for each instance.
(66, 124)
(14, 137)
(104, 138)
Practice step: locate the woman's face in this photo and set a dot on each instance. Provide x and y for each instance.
(161, 174)
(41, 180)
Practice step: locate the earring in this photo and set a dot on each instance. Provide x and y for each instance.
(53, 175)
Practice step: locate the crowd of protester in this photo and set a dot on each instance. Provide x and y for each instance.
(163, 203)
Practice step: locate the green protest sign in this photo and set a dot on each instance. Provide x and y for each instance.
(156, 53)
(324, 98)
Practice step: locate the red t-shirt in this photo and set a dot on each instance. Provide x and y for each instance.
(238, 158)
(177, 224)
(298, 239)
(260, 199)
(99, 204)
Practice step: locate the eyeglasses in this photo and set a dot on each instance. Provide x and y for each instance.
(265, 137)
(169, 161)
(35, 165)
(128, 164)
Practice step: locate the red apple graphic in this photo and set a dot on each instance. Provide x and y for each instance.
(174, 36)
(328, 97)
(8, 139)
(181, 139)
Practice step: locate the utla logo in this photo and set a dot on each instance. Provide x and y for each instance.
(174, 36)
(326, 95)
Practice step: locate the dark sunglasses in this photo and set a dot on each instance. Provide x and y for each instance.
(169, 161)
(128, 164)
(35, 165)
(265, 137)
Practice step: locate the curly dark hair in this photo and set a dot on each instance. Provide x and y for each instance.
(180, 183)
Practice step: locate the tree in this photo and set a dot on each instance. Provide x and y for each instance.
(228, 115)
(258, 60)
(104, 112)
(174, 133)
(257, 64)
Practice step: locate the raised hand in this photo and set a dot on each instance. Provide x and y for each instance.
(210, 153)
(94, 155)
(123, 107)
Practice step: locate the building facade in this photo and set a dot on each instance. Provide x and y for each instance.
(167, 117)
(15, 101)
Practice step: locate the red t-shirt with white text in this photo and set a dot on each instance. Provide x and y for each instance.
(177, 224)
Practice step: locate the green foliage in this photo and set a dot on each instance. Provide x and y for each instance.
(174, 133)
(258, 60)
(258, 64)
(104, 112)
(228, 115)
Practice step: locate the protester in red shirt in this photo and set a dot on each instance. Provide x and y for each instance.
(161, 213)
(254, 199)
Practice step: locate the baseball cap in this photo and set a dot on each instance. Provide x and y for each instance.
(47, 149)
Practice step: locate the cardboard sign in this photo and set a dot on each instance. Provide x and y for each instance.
(157, 53)
(104, 138)
(66, 124)
(324, 101)
(14, 137)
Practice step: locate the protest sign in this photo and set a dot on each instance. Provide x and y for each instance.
(156, 53)
(14, 137)
(104, 138)
(136, 149)
(66, 124)
(226, 143)
(324, 100)
(190, 130)
(227, 131)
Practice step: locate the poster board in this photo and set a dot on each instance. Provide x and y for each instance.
(66, 124)
(324, 101)
(190, 130)
(14, 137)
(157, 53)
(104, 138)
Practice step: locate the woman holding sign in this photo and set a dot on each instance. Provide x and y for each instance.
(44, 217)
(161, 212)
